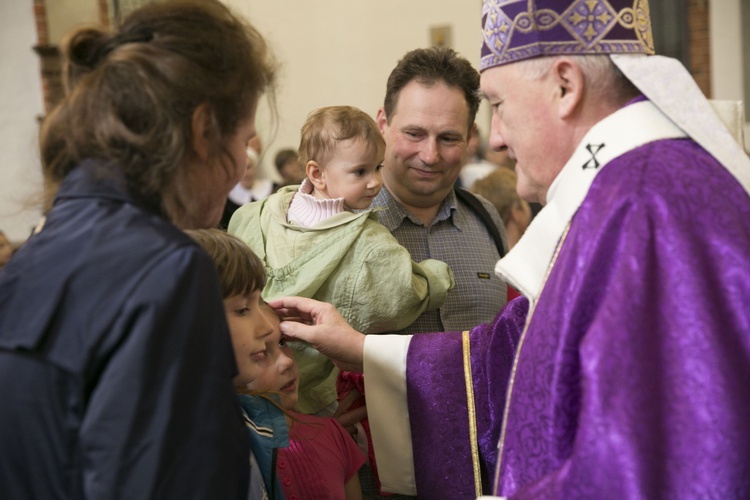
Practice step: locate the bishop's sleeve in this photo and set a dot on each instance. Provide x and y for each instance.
(438, 402)
(417, 405)
(657, 404)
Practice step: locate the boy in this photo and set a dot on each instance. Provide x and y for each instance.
(242, 278)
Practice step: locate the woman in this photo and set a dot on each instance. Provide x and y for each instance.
(115, 383)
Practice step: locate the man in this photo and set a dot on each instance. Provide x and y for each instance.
(430, 104)
(632, 344)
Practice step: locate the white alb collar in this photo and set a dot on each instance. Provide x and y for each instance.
(525, 266)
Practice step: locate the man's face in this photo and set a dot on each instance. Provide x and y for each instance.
(425, 143)
(525, 121)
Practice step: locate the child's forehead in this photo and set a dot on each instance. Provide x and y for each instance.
(248, 295)
(357, 145)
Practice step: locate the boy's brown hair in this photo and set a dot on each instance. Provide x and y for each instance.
(241, 272)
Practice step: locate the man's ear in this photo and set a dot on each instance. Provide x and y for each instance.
(202, 126)
(315, 173)
(381, 120)
(568, 78)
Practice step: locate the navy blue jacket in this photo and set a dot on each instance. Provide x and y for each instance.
(116, 363)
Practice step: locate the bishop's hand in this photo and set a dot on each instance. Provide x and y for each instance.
(323, 327)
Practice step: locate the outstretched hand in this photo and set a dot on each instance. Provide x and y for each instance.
(323, 327)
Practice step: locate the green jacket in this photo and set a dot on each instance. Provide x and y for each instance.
(348, 260)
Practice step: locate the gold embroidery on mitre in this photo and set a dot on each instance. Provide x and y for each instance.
(514, 30)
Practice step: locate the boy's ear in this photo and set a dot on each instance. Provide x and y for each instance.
(315, 174)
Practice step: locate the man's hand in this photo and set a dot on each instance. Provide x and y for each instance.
(321, 325)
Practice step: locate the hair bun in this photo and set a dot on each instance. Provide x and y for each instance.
(84, 47)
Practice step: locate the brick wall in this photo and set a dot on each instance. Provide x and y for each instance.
(49, 55)
(50, 59)
(42, 30)
(104, 12)
(700, 57)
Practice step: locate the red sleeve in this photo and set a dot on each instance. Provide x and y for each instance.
(352, 456)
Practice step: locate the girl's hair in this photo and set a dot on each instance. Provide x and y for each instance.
(499, 187)
(325, 127)
(240, 271)
(131, 95)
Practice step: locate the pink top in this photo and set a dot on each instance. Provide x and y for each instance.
(320, 460)
(306, 210)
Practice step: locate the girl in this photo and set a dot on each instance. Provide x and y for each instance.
(322, 460)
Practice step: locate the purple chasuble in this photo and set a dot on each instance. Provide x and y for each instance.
(438, 410)
(632, 378)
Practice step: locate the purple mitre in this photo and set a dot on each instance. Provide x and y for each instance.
(514, 30)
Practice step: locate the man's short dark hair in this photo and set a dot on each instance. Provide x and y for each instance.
(431, 66)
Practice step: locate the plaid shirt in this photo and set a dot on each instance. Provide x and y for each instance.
(459, 238)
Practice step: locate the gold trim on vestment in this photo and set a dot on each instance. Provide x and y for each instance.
(472, 413)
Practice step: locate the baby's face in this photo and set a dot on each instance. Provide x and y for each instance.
(249, 326)
(278, 371)
(353, 173)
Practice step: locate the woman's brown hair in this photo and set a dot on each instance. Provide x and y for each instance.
(131, 94)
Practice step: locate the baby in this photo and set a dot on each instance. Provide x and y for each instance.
(322, 241)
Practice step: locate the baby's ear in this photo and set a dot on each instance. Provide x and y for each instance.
(315, 174)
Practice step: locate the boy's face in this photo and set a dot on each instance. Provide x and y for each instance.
(249, 326)
(278, 370)
(353, 173)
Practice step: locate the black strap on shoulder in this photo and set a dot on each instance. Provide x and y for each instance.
(476, 206)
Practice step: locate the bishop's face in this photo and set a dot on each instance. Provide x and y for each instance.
(525, 121)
